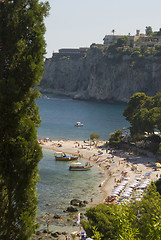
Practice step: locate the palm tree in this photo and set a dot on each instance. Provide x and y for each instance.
(113, 31)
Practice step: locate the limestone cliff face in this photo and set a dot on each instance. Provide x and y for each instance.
(100, 77)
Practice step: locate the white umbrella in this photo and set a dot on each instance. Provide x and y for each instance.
(126, 195)
(119, 188)
(127, 178)
(146, 181)
(138, 178)
(133, 185)
(114, 195)
(128, 190)
(138, 199)
(142, 186)
(123, 183)
(140, 190)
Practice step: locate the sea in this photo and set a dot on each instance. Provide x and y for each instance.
(57, 185)
(59, 115)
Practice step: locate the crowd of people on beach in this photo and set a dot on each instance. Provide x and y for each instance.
(128, 174)
(120, 164)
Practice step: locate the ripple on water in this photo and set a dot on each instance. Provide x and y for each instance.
(58, 185)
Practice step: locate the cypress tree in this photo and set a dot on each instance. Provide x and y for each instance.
(22, 49)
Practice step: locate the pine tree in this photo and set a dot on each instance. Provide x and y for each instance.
(22, 49)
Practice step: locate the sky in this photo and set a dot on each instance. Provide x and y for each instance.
(79, 23)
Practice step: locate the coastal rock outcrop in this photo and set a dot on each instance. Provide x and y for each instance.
(72, 209)
(102, 77)
(56, 216)
(78, 203)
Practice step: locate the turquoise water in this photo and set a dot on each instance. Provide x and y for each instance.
(59, 116)
(58, 185)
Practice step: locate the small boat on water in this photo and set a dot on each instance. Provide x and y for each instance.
(78, 166)
(79, 124)
(60, 156)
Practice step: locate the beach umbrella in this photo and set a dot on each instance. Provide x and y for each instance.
(129, 189)
(139, 192)
(138, 199)
(147, 181)
(138, 179)
(126, 195)
(114, 195)
(158, 164)
(134, 184)
(148, 173)
(126, 178)
(124, 183)
(115, 192)
(119, 188)
(142, 186)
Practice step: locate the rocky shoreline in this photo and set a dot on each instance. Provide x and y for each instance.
(113, 163)
(63, 221)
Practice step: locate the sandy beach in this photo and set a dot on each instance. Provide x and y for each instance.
(118, 165)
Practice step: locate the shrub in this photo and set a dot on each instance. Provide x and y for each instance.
(115, 138)
(94, 136)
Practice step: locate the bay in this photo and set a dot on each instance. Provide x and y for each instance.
(57, 184)
(59, 115)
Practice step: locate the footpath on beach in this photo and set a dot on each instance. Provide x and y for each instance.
(128, 175)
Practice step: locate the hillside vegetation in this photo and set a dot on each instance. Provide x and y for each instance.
(110, 73)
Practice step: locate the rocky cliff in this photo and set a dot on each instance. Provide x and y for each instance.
(102, 76)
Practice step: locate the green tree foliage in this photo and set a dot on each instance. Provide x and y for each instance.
(96, 234)
(148, 30)
(143, 49)
(123, 41)
(125, 46)
(149, 222)
(159, 149)
(144, 113)
(140, 220)
(94, 136)
(119, 47)
(22, 49)
(159, 32)
(113, 31)
(115, 138)
(158, 185)
(112, 49)
(158, 50)
(102, 218)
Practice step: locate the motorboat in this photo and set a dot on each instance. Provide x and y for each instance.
(78, 166)
(79, 124)
(61, 156)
